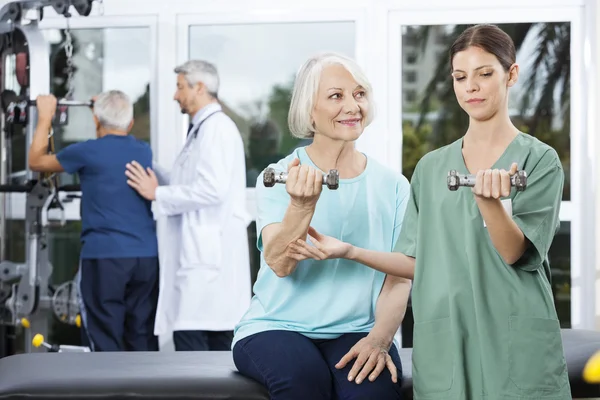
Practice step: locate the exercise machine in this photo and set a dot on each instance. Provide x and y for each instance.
(25, 295)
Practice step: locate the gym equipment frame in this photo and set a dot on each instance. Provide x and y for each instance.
(25, 295)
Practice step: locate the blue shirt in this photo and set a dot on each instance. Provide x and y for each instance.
(116, 221)
(325, 299)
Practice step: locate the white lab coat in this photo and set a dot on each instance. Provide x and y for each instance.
(202, 238)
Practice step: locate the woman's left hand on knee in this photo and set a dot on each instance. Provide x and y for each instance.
(372, 357)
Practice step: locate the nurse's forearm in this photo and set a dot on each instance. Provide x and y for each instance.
(278, 237)
(505, 234)
(391, 263)
(391, 308)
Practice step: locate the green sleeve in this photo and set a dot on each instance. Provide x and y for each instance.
(536, 209)
(407, 241)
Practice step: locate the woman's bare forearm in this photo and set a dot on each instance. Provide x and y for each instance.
(391, 308)
(391, 263)
(278, 237)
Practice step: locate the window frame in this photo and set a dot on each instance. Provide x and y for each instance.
(580, 209)
(16, 201)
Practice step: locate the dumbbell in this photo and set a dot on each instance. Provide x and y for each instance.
(270, 178)
(455, 180)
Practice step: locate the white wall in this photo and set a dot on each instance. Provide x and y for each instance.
(594, 125)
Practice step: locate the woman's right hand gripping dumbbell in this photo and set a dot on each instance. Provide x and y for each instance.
(304, 185)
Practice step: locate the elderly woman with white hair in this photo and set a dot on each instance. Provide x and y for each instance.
(322, 329)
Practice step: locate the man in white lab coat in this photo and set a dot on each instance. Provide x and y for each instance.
(205, 268)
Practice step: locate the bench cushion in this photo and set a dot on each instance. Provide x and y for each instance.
(191, 375)
(159, 375)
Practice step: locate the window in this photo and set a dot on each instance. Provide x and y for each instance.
(560, 265)
(411, 58)
(410, 76)
(257, 64)
(539, 106)
(103, 59)
(539, 103)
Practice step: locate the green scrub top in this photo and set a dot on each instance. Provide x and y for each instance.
(484, 330)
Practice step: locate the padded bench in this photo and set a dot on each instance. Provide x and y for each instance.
(191, 375)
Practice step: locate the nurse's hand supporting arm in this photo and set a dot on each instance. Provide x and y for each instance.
(391, 263)
(507, 238)
(304, 185)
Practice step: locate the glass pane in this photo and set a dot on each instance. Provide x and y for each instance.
(257, 64)
(254, 253)
(539, 103)
(103, 59)
(14, 242)
(64, 246)
(64, 255)
(560, 264)
(16, 143)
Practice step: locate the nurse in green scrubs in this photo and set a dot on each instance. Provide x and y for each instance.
(485, 323)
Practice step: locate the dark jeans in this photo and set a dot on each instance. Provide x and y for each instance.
(119, 298)
(292, 366)
(202, 340)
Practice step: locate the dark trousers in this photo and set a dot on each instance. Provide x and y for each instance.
(202, 340)
(292, 366)
(118, 300)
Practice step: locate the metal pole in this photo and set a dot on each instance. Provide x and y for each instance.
(3, 170)
(39, 74)
(36, 258)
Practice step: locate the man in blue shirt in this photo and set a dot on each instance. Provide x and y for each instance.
(118, 275)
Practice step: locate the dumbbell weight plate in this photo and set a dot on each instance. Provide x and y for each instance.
(332, 179)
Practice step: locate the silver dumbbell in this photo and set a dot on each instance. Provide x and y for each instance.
(270, 178)
(455, 180)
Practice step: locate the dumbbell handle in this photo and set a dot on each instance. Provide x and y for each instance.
(281, 177)
(455, 180)
(271, 177)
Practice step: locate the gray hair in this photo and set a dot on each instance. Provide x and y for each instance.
(306, 87)
(196, 71)
(114, 110)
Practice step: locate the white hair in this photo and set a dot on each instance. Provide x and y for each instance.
(196, 71)
(114, 110)
(306, 87)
